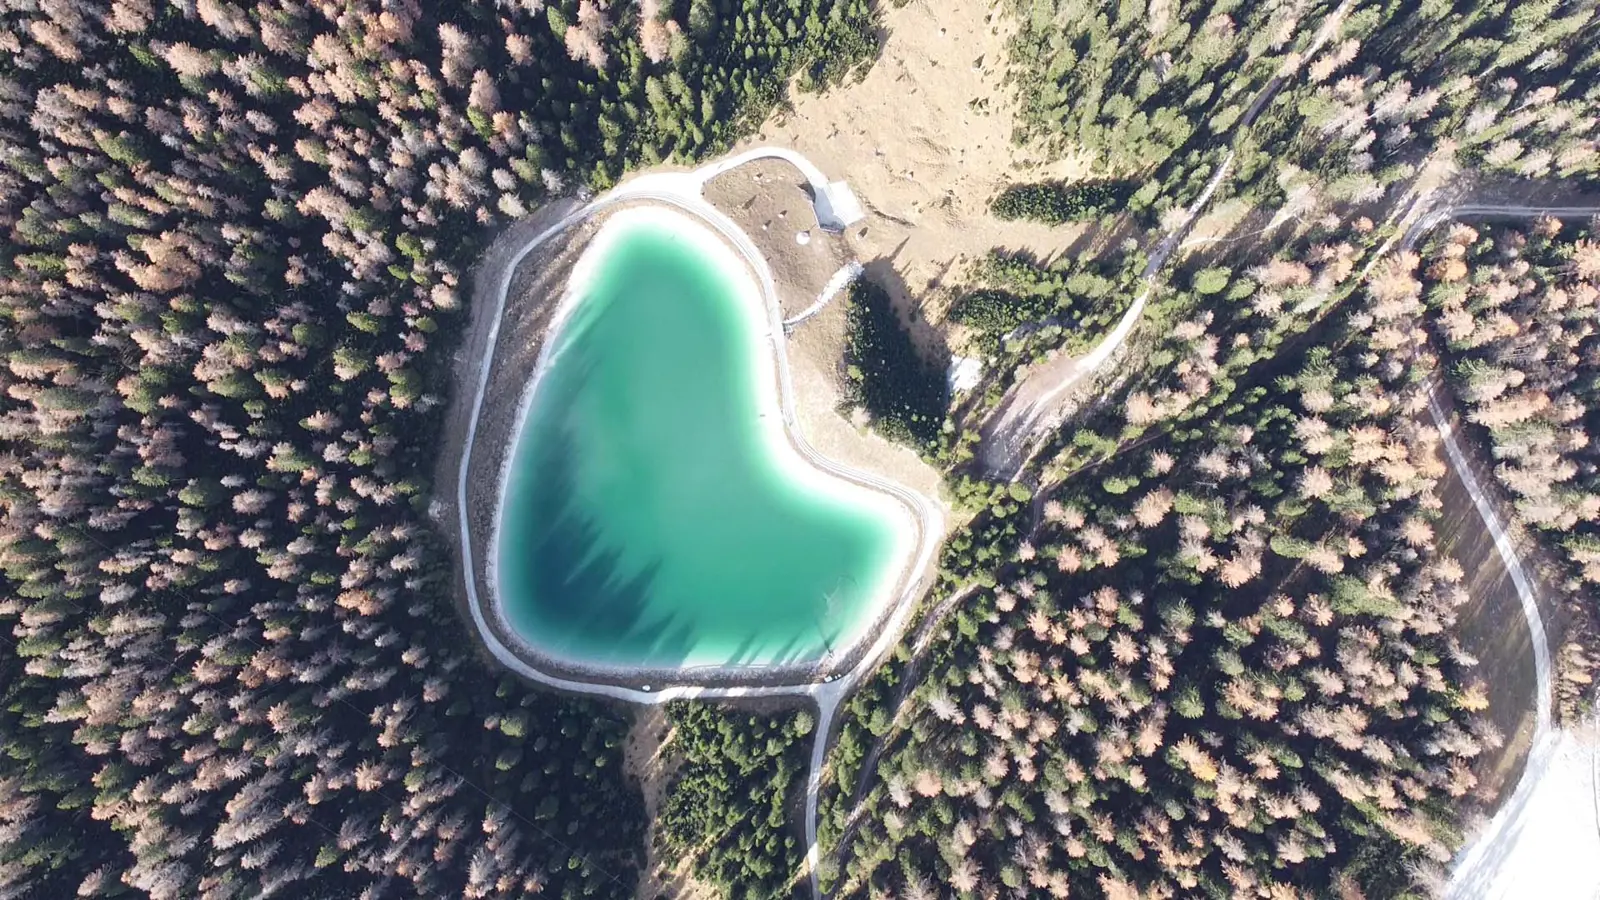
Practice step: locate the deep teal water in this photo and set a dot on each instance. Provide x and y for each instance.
(654, 514)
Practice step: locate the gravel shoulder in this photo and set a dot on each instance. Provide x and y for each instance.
(475, 344)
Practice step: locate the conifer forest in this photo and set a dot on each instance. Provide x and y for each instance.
(1199, 637)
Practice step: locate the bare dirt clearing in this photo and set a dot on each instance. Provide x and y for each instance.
(770, 201)
(925, 141)
(648, 760)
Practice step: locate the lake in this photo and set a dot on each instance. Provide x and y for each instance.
(655, 513)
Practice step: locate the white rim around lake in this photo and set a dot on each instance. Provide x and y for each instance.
(765, 343)
(683, 191)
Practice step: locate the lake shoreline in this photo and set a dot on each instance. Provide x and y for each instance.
(514, 290)
(542, 295)
(743, 303)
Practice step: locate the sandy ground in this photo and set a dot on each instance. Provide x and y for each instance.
(925, 141)
(769, 201)
(648, 760)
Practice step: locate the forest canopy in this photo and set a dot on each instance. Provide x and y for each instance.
(236, 239)
(1206, 644)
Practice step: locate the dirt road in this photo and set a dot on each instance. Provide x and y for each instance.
(1544, 839)
(1033, 406)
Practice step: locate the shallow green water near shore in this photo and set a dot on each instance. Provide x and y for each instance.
(655, 514)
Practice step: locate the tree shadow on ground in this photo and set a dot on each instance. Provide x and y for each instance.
(929, 338)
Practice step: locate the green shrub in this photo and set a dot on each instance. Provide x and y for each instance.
(1054, 203)
(992, 310)
(905, 394)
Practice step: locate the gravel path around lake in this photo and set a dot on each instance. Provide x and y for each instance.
(531, 267)
(475, 368)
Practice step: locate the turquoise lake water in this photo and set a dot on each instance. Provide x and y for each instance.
(654, 514)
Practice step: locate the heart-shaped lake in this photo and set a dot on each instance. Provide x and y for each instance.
(656, 514)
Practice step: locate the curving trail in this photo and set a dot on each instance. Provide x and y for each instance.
(836, 205)
(1510, 855)
(684, 192)
(1526, 593)
(920, 645)
(837, 282)
(1487, 867)
(1032, 407)
(1437, 217)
